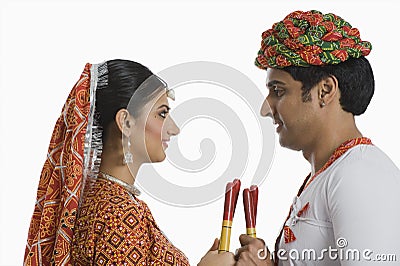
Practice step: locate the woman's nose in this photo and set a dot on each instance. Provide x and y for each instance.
(172, 128)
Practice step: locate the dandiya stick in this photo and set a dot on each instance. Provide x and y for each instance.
(254, 197)
(250, 201)
(231, 196)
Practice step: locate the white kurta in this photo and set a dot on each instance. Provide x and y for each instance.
(353, 216)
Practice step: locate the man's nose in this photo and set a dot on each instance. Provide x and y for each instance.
(266, 110)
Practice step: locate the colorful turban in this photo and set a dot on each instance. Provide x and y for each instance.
(310, 38)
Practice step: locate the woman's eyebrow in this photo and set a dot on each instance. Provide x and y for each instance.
(164, 105)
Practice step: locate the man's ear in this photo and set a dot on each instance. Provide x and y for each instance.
(328, 90)
(124, 121)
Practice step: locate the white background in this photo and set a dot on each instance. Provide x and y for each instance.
(45, 44)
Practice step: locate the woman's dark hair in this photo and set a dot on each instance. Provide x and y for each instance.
(116, 87)
(355, 77)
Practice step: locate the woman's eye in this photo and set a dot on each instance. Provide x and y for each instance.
(163, 114)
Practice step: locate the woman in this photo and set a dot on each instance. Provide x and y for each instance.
(87, 210)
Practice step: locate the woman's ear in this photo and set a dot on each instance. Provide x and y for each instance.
(328, 90)
(124, 121)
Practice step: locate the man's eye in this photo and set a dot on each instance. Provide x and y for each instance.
(279, 92)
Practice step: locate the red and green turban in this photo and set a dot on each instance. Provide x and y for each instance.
(310, 38)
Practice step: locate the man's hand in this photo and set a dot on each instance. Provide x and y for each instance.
(252, 252)
(213, 258)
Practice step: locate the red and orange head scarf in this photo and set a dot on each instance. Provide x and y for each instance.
(61, 182)
(310, 38)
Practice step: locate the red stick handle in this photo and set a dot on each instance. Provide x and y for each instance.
(231, 197)
(248, 209)
(254, 198)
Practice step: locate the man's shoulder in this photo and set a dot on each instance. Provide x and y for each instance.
(366, 156)
(364, 162)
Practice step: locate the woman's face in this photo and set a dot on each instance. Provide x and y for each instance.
(155, 127)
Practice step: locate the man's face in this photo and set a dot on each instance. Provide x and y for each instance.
(297, 121)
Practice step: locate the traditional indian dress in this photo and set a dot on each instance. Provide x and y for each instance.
(80, 217)
(115, 227)
(347, 209)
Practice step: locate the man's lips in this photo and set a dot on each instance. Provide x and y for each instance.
(279, 125)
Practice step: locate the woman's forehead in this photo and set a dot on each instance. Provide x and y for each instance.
(158, 101)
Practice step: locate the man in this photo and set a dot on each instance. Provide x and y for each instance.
(347, 210)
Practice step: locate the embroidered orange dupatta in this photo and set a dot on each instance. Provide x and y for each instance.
(51, 228)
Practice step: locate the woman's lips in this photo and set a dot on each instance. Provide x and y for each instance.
(165, 144)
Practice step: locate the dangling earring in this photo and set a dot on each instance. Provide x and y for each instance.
(128, 158)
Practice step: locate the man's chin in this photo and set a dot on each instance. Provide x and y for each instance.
(286, 143)
(282, 140)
